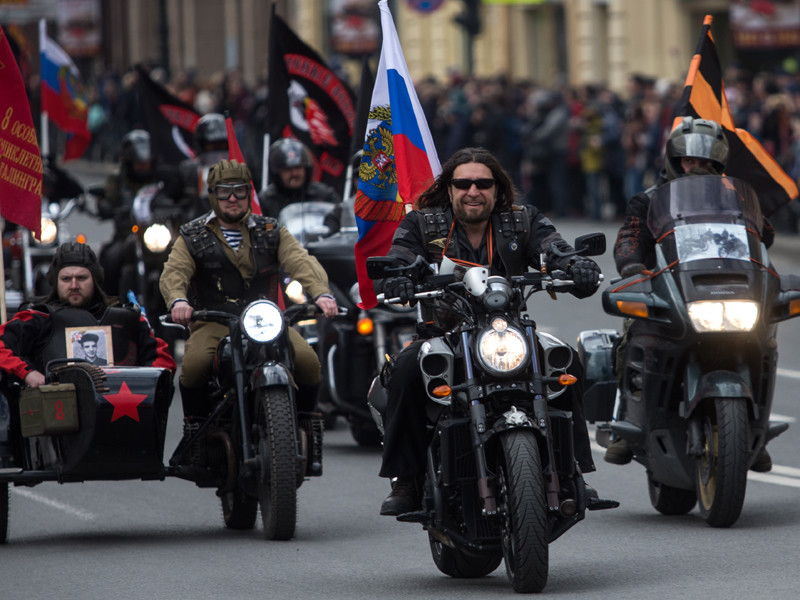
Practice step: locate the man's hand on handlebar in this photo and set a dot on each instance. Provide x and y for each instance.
(181, 312)
(327, 305)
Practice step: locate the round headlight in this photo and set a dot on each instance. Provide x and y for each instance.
(294, 291)
(262, 321)
(49, 232)
(502, 349)
(157, 238)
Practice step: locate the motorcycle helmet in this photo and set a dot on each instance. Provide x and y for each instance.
(226, 171)
(136, 155)
(696, 138)
(210, 133)
(287, 153)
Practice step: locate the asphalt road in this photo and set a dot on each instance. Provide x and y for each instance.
(157, 540)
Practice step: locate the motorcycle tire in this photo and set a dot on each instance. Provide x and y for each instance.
(277, 475)
(522, 499)
(457, 563)
(669, 500)
(239, 511)
(721, 474)
(3, 513)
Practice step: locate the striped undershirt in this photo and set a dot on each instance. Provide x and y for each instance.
(233, 237)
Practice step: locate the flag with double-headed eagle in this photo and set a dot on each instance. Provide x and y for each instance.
(307, 101)
(62, 95)
(399, 159)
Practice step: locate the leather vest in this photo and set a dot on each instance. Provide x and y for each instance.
(511, 230)
(218, 284)
(124, 324)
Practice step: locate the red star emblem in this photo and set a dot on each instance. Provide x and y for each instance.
(125, 403)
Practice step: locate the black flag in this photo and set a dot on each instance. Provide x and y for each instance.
(169, 120)
(309, 102)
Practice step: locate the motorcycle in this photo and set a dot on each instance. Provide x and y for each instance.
(352, 346)
(502, 481)
(699, 373)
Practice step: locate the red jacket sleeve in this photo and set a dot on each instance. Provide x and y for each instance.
(19, 338)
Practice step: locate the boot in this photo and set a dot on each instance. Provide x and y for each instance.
(618, 452)
(191, 456)
(763, 462)
(406, 497)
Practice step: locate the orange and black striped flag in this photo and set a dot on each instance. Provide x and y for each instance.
(704, 97)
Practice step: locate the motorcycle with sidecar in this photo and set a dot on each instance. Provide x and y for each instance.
(90, 423)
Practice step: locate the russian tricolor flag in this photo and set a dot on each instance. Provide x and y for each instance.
(62, 99)
(399, 160)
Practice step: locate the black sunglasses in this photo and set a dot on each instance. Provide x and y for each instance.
(239, 190)
(464, 184)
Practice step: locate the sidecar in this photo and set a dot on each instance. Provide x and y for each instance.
(88, 423)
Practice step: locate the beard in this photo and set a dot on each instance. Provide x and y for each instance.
(472, 218)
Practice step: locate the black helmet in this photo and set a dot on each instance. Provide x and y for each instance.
(287, 153)
(696, 138)
(136, 147)
(74, 254)
(210, 129)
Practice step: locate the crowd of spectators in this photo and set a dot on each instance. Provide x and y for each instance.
(573, 151)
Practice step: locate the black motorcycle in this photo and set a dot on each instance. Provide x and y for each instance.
(255, 447)
(502, 480)
(699, 373)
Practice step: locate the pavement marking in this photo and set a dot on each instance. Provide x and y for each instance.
(70, 510)
(791, 373)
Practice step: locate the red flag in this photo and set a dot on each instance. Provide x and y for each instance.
(235, 153)
(704, 97)
(20, 160)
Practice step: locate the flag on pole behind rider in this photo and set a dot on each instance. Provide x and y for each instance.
(309, 102)
(235, 153)
(399, 160)
(169, 120)
(20, 161)
(704, 97)
(62, 95)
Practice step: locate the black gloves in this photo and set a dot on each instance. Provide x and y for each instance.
(585, 274)
(399, 287)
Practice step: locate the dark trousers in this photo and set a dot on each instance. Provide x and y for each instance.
(405, 438)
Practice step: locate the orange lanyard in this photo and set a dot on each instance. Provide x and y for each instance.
(466, 263)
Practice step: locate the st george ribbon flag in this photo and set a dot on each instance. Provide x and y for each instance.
(309, 102)
(62, 97)
(20, 161)
(399, 159)
(704, 97)
(169, 120)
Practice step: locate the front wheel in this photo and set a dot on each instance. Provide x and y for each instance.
(457, 563)
(670, 500)
(522, 498)
(277, 476)
(721, 473)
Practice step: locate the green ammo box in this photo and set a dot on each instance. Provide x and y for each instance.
(50, 409)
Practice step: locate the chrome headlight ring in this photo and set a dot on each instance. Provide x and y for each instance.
(262, 321)
(501, 349)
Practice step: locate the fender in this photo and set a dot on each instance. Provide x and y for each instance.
(716, 384)
(271, 374)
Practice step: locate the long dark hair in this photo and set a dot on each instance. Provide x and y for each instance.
(436, 195)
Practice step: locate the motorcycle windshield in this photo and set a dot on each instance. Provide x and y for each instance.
(711, 217)
(305, 220)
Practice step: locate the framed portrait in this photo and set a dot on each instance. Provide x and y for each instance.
(92, 344)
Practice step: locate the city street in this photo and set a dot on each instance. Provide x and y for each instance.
(101, 540)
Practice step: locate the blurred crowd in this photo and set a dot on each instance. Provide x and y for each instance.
(573, 151)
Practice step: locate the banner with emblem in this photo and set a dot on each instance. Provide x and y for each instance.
(399, 159)
(309, 102)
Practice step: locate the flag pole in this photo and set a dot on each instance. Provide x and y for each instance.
(265, 163)
(44, 121)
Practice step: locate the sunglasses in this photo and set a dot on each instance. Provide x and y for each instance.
(239, 190)
(465, 184)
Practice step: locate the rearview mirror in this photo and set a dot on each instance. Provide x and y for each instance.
(591, 244)
(377, 266)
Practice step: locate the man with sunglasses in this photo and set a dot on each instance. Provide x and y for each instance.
(224, 260)
(467, 216)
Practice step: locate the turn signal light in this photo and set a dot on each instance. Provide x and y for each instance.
(634, 309)
(135, 228)
(442, 391)
(365, 326)
(567, 379)
(794, 307)
(80, 238)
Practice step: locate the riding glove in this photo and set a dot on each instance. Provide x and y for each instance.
(585, 274)
(400, 287)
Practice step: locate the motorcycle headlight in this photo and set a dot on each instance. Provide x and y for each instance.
(262, 321)
(294, 291)
(49, 232)
(724, 315)
(157, 238)
(502, 350)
